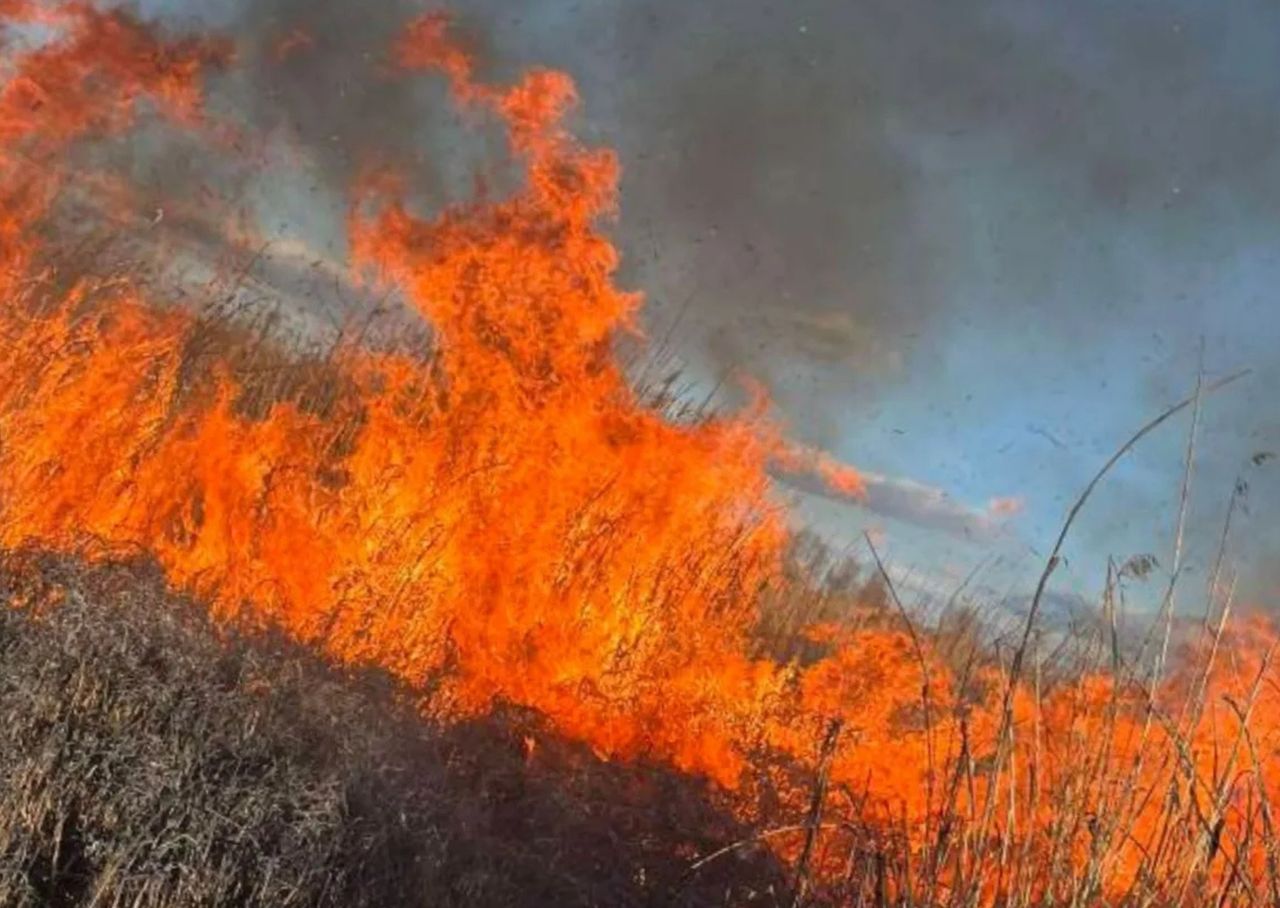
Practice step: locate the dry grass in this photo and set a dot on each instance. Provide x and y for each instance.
(151, 759)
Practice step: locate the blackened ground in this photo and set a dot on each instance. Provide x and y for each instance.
(148, 758)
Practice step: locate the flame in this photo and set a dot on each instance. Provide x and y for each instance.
(503, 518)
(509, 506)
(296, 41)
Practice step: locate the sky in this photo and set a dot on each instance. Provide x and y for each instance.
(968, 247)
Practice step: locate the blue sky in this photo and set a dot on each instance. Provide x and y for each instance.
(968, 245)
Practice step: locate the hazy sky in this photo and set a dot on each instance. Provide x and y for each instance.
(969, 246)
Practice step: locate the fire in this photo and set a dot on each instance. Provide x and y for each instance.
(509, 505)
(296, 41)
(502, 517)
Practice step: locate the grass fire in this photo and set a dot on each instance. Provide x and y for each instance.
(470, 616)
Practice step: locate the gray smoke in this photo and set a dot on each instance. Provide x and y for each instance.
(784, 159)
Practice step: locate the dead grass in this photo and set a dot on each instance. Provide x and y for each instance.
(151, 759)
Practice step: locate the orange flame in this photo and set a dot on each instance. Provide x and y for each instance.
(295, 42)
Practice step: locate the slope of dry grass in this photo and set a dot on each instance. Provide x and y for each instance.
(150, 759)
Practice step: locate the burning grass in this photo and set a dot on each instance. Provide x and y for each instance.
(500, 518)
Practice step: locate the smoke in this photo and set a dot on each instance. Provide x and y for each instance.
(803, 173)
(822, 163)
(917, 504)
